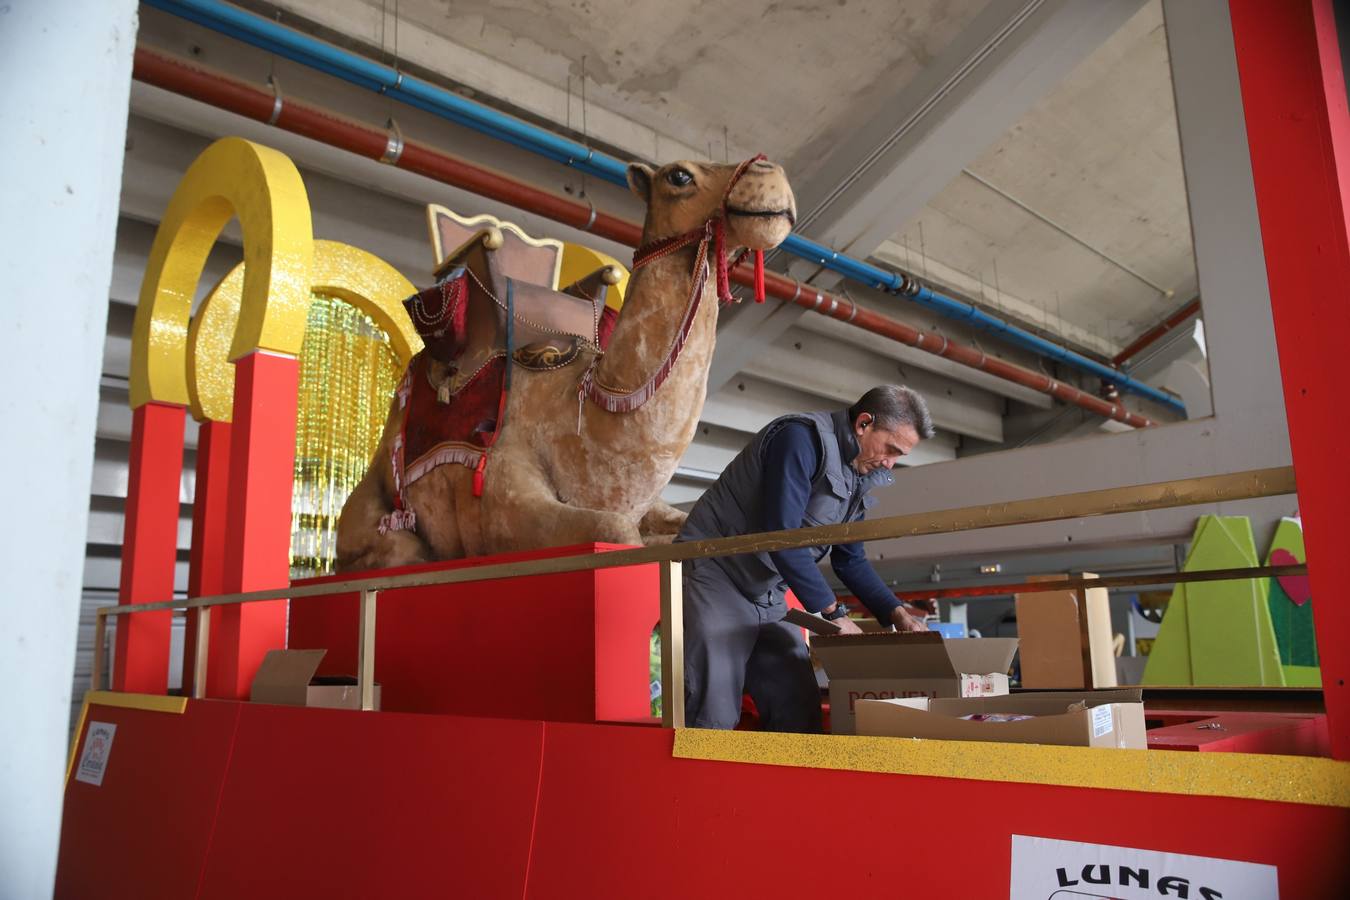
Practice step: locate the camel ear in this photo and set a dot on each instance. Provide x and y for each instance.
(640, 181)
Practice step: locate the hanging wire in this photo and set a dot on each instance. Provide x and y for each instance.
(585, 132)
(272, 58)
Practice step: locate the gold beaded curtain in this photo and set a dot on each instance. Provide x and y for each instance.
(348, 373)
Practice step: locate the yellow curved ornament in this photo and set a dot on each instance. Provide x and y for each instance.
(338, 270)
(262, 188)
(578, 261)
(372, 286)
(210, 374)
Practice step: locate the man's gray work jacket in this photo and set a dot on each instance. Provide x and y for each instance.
(734, 504)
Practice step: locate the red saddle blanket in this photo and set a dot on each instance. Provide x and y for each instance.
(435, 433)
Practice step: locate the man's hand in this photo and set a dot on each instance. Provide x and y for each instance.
(847, 625)
(903, 621)
(929, 606)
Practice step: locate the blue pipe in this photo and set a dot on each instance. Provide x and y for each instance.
(276, 38)
(972, 315)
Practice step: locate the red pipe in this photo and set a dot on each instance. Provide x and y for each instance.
(181, 77)
(1157, 331)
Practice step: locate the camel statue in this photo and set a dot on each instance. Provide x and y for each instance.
(583, 444)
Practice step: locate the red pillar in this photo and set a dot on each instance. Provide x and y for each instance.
(1298, 129)
(258, 520)
(149, 547)
(206, 564)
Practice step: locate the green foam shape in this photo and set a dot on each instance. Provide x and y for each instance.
(1220, 632)
(1302, 676)
(1294, 633)
(1169, 662)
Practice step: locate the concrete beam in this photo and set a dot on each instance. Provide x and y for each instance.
(908, 358)
(996, 69)
(880, 173)
(1248, 429)
(832, 371)
(751, 403)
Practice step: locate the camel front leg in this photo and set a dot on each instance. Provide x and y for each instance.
(661, 520)
(360, 545)
(521, 511)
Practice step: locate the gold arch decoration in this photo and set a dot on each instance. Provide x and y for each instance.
(578, 261)
(263, 189)
(358, 340)
(339, 271)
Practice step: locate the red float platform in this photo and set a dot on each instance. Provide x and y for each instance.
(1291, 734)
(263, 802)
(572, 647)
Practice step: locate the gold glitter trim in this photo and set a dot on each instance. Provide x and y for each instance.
(348, 273)
(349, 369)
(233, 178)
(150, 702)
(1250, 776)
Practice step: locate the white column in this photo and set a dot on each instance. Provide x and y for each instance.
(66, 68)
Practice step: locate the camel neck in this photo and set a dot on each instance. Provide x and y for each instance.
(654, 312)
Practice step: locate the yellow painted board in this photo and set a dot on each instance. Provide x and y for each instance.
(1284, 779)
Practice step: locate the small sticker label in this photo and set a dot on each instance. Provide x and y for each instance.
(97, 748)
(1101, 720)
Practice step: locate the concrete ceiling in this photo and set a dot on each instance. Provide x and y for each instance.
(755, 76)
(1069, 216)
(1076, 218)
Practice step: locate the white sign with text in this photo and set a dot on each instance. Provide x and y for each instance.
(1047, 869)
(97, 747)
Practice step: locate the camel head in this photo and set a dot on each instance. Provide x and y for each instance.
(683, 195)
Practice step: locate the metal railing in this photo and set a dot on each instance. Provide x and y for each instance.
(1111, 501)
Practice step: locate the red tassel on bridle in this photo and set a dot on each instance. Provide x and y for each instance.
(759, 276)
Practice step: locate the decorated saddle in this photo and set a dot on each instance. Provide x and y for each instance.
(492, 312)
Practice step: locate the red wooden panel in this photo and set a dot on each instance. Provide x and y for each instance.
(337, 803)
(569, 647)
(143, 833)
(1290, 734)
(206, 566)
(149, 547)
(1298, 129)
(332, 803)
(258, 520)
(627, 607)
(680, 828)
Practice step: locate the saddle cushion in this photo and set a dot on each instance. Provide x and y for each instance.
(440, 315)
(436, 433)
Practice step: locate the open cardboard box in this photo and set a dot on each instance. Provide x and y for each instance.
(895, 665)
(286, 677)
(1078, 719)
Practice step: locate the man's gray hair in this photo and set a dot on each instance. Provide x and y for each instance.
(893, 405)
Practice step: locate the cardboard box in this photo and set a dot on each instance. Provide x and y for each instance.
(286, 677)
(1084, 719)
(895, 664)
(1066, 637)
